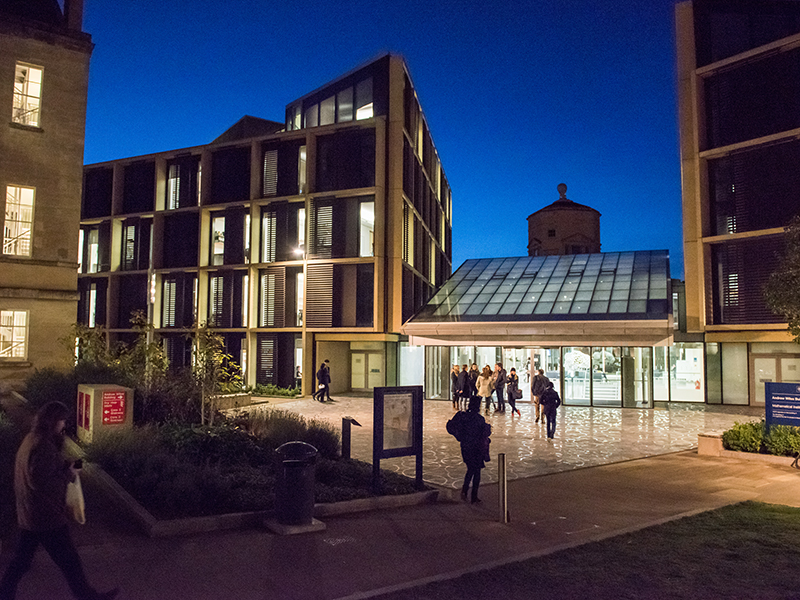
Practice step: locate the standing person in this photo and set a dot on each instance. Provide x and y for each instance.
(550, 403)
(484, 386)
(474, 434)
(41, 475)
(454, 385)
(499, 387)
(538, 386)
(464, 388)
(473, 378)
(512, 388)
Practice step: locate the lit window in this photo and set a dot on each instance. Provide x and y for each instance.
(300, 286)
(13, 334)
(174, 187)
(269, 222)
(367, 230)
(312, 116)
(327, 111)
(169, 302)
(215, 305)
(19, 221)
(93, 254)
(301, 228)
(27, 95)
(93, 305)
(344, 105)
(81, 234)
(301, 170)
(218, 241)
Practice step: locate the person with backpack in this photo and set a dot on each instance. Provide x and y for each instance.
(472, 431)
(550, 402)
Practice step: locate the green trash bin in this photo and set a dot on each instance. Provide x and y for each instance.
(294, 487)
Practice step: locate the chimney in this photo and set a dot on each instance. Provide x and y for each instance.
(73, 13)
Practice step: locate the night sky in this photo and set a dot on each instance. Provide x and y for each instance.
(519, 96)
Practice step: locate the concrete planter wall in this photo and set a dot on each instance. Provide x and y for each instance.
(710, 444)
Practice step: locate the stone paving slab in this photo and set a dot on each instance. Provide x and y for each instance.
(585, 436)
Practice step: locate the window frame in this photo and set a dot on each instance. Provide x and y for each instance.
(19, 108)
(9, 240)
(11, 343)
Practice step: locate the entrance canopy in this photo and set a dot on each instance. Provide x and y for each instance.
(603, 299)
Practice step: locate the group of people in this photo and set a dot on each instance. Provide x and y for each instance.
(488, 385)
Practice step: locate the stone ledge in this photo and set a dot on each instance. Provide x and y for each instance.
(153, 527)
(710, 444)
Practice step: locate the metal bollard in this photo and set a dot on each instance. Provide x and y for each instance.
(502, 488)
(346, 422)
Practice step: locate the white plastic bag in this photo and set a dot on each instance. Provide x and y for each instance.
(75, 503)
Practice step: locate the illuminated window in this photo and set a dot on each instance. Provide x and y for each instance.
(13, 334)
(301, 170)
(301, 228)
(27, 95)
(18, 221)
(364, 108)
(218, 240)
(367, 229)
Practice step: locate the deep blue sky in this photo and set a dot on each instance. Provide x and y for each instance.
(519, 96)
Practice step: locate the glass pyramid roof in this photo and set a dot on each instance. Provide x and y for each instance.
(580, 287)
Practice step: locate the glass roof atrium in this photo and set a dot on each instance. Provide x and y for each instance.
(583, 287)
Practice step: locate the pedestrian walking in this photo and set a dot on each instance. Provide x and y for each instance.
(323, 382)
(499, 387)
(473, 432)
(550, 403)
(512, 389)
(484, 386)
(41, 475)
(538, 386)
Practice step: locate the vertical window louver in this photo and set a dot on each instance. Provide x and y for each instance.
(268, 236)
(270, 173)
(322, 230)
(168, 302)
(216, 301)
(271, 296)
(174, 187)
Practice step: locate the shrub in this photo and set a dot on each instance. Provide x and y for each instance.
(48, 384)
(744, 437)
(269, 389)
(783, 440)
(10, 438)
(275, 427)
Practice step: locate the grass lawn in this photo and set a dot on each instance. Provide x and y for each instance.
(748, 550)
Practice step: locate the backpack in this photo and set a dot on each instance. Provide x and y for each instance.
(454, 425)
(550, 397)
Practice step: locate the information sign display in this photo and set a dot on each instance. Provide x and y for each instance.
(113, 407)
(782, 403)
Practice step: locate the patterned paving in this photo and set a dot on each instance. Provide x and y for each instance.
(584, 436)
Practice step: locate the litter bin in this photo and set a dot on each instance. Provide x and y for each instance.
(294, 489)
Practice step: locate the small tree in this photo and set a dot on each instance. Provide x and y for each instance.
(214, 369)
(782, 291)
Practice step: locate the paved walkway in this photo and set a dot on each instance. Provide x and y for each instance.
(360, 555)
(585, 437)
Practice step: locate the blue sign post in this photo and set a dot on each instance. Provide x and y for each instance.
(782, 404)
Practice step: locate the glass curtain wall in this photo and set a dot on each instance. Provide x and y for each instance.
(606, 376)
(660, 374)
(577, 371)
(687, 383)
(636, 371)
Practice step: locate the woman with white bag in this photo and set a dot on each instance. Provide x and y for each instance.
(41, 478)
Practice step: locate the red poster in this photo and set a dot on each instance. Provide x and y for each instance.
(113, 407)
(87, 407)
(80, 409)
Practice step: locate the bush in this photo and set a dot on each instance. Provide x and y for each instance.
(275, 427)
(45, 385)
(783, 440)
(744, 437)
(269, 389)
(10, 438)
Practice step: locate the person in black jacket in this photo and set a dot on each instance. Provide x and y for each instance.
(512, 388)
(464, 388)
(324, 382)
(550, 402)
(500, 387)
(474, 433)
(454, 385)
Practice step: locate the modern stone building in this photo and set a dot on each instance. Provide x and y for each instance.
(739, 118)
(44, 72)
(563, 227)
(310, 239)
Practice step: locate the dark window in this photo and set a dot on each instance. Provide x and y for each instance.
(98, 185)
(739, 271)
(96, 251)
(724, 28)
(136, 234)
(183, 182)
(92, 301)
(230, 175)
(132, 297)
(180, 240)
(755, 189)
(177, 300)
(226, 293)
(551, 233)
(335, 227)
(754, 99)
(280, 233)
(352, 295)
(138, 193)
(275, 359)
(346, 160)
(282, 168)
(178, 349)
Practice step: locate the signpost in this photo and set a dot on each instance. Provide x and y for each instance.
(782, 403)
(397, 427)
(103, 407)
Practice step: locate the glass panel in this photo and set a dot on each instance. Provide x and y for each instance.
(765, 369)
(639, 360)
(375, 370)
(660, 374)
(606, 377)
(790, 370)
(364, 99)
(344, 102)
(367, 235)
(358, 370)
(577, 365)
(327, 111)
(311, 116)
(217, 240)
(686, 372)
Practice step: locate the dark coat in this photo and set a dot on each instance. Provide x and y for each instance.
(550, 400)
(513, 383)
(473, 379)
(41, 476)
(500, 382)
(323, 375)
(464, 385)
(539, 384)
(473, 435)
(454, 381)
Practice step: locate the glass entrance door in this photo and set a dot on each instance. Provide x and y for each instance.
(519, 360)
(366, 370)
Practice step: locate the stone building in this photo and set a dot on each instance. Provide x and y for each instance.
(44, 73)
(563, 227)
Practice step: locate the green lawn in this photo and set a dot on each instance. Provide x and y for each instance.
(748, 550)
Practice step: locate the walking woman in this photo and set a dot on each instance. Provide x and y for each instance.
(512, 388)
(474, 433)
(484, 386)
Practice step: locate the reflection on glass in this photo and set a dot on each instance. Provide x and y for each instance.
(577, 370)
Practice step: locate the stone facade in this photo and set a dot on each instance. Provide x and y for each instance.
(564, 227)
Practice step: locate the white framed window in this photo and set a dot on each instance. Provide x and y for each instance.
(19, 220)
(27, 95)
(13, 334)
